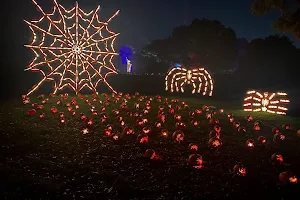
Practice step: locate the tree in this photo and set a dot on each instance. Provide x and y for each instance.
(289, 19)
(272, 61)
(202, 43)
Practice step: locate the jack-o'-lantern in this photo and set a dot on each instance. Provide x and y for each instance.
(88, 121)
(214, 134)
(249, 118)
(278, 138)
(103, 109)
(73, 113)
(214, 121)
(40, 107)
(160, 108)
(69, 109)
(195, 161)
(298, 133)
(180, 125)
(122, 123)
(217, 128)
(120, 118)
(26, 101)
(242, 129)
(286, 127)
(130, 114)
(163, 118)
(85, 131)
(61, 115)
(94, 113)
(82, 116)
(123, 107)
(164, 132)
(231, 119)
(277, 158)
(205, 108)
(236, 125)
(256, 127)
(177, 117)
(109, 127)
(275, 130)
(171, 110)
(288, 178)
(221, 110)
(157, 125)
(77, 106)
(178, 136)
(146, 130)
(198, 111)
(193, 147)
(107, 132)
(208, 115)
(54, 110)
(31, 112)
(178, 107)
(192, 114)
(42, 116)
(229, 115)
(116, 112)
(195, 123)
(145, 111)
(136, 115)
(68, 104)
(239, 169)
(103, 119)
(250, 144)
(150, 153)
(142, 139)
(62, 121)
(140, 123)
(262, 140)
(215, 142)
(128, 130)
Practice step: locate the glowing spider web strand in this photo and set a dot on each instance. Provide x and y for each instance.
(78, 13)
(255, 101)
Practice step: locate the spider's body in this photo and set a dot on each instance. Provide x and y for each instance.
(199, 78)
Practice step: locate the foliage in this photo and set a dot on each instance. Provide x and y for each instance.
(289, 19)
(203, 43)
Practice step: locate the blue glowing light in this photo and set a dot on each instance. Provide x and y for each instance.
(126, 52)
(177, 65)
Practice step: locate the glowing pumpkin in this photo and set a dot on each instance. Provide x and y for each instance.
(151, 154)
(277, 158)
(164, 132)
(195, 161)
(178, 136)
(262, 140)
(288, 178)
(250, 144)
(278, 138)
(215, 143)
(31, 112)
(214, 134)
(239, 169)
(193, 147)
(142, 139)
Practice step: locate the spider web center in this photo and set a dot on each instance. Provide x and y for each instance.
(76, 49)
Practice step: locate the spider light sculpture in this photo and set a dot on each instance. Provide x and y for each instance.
(72, 48)
(200, 79)
(266, 102)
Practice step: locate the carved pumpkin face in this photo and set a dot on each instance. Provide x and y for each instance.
(146, 130)
(215, 142)
(164, 133)
(240, 170)
(178, 136)
(142, 139)
(193, 147)
(195, 161)
(262, 140)
(107, 132)
(250, 144)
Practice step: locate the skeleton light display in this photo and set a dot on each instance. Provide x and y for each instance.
(266, 102)
(72, 48)
(200, 79)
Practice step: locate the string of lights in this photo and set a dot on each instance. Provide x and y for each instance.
(72, 54)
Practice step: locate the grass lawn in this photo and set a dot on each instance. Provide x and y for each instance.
(42, 158)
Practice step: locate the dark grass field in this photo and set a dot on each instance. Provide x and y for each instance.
(42, 159)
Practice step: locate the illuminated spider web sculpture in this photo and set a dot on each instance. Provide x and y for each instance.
(199, 78)
(75, 49)
(266, 102)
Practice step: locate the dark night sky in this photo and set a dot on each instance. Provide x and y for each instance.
(141, 21)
